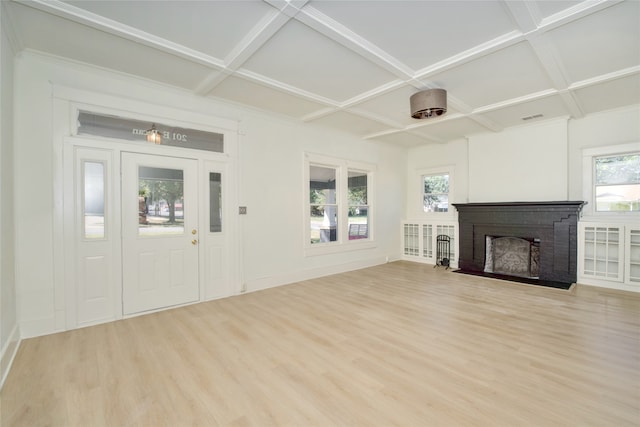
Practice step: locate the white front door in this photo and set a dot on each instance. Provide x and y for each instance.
(159, 232)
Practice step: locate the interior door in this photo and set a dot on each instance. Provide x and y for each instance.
(159, 232)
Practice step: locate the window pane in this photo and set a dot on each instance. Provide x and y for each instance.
(93, 200)
(358, 222)
(134, 130)
(618, 183)
(436, 193)
(322, 185)
(324, 223)
(322, 197)
(624, 169)
(436, 203)
(618, 198)
(357, 193)
(160, 198)
(215, 201)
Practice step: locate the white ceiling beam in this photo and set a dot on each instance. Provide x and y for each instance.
(337, 32)
(479, 51)
(270, 24)
(528, 17)
(605, 78)
(373, 93)
(575, 12)
(76, 14)
(278, 85)
(515, 101)
(376, 118)
(525, 14)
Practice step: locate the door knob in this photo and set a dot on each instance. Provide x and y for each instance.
(194, 242)
(193, 231)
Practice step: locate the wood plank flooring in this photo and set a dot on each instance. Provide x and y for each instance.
(401, 344)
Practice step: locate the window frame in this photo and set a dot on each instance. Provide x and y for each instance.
(342, 168)
(589, 178)
(419, 179)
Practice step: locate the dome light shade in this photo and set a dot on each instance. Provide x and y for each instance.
(428, 103)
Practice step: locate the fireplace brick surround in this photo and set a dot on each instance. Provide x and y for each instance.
(555, 224)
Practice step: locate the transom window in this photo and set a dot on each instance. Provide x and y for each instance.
(617, 183)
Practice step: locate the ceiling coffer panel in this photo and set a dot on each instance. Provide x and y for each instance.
(353, 65)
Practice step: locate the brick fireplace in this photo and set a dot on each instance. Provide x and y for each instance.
(549, 228)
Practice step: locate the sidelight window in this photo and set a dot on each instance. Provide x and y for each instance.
(215, 202)
(93, 200)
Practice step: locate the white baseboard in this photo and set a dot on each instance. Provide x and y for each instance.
(314, 273)
(619, 286)
(9, 351)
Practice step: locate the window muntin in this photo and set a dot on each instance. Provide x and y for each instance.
(323, 213)
(617, 183)
(435, 192)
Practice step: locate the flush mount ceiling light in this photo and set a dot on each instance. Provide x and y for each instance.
(428, 103)
(153, 135)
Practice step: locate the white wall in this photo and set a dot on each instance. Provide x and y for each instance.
(270, 164)
(9, 332)
(273, 190)
(613, 127)
(526, 163)
(535, 162)
(437, 156)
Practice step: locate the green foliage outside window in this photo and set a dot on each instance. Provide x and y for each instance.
(436, 193)
(617, 183)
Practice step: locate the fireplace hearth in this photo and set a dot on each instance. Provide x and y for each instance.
(534, 242)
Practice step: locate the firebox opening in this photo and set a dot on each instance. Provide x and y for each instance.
(512, 256)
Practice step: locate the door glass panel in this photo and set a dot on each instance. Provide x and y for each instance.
(93, 215)
(215, 202)
(160, 201)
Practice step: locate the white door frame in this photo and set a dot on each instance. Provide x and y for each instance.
(207, 162)
(165, 264)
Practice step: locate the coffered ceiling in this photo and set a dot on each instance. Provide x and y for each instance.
(354, 64)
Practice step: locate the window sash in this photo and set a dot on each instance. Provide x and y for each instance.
(350, 201)
(440, 196)
(616, 183)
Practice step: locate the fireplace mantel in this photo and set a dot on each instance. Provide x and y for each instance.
(554, 223)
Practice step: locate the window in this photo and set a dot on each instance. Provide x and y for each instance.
(215, 202)
(339, 205)
(358, 208)
(94, 199)
(323, 203)
(160, 201)
(617, 183)
(435, 192)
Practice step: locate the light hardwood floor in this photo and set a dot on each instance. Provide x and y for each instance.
(401, 344)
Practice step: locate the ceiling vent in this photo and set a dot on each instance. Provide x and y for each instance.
(535, 116)
(428, 103)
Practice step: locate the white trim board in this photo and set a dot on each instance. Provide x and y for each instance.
(8, 354)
